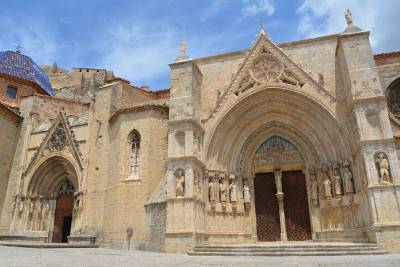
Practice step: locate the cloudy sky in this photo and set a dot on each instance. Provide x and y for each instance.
(137, 39)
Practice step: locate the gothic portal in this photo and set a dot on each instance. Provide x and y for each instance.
(279, 142)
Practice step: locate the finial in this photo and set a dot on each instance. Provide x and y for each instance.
(349, 17)
(182, 51)
(261, 30)
(18, 49)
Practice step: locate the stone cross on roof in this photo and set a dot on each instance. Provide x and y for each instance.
(18, 49)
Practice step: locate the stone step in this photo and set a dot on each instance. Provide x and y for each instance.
(287, 249)
(284, 249)
(45, 245)
(304, 253)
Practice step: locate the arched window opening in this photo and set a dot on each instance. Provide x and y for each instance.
(135, 154)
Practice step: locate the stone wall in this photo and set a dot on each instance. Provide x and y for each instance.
(125, 197)
(24, 88)
(8, 141)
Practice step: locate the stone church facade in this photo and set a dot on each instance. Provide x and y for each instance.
(281, 142)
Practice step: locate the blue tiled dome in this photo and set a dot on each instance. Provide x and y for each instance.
(21, 66)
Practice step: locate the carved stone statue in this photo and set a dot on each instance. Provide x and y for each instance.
(31, 206)
(14, 202)
(327, 183)
(222, 189)
(180, 184)
(278, 180)
(348, 178)
(246, 191)
(233, 189)
(336, 180)
(211, 189)
(349, 17)
(314, 188)
(383, 167)
(46, 212)
(21, 205)
(38, 211)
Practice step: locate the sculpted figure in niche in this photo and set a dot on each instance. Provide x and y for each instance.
(246, 191)
(383, 167)
(38, 216)
(180, 184)
(233, 189)
(336, 180)
(222, 189)
(14, 203)
(327, 183)
(21, 205)
(46, 212)
(32, 206)
(314, 188)
(348, 178)
(278, 180)
(211, 189)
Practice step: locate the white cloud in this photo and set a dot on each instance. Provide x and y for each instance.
(34, 38)
(256, 7)
(327, 17)
(139, 52)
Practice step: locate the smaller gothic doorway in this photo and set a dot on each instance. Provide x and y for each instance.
(63, 218)
(63, 212)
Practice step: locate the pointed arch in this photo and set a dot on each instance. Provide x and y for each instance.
(134, 140)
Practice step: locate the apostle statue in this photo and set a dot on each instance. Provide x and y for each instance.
(314, 188)
(222, 189)
(211, 189)
(246, 191)
(327, 183)
(180, 184)
(336, 180)
(348, 178)
(232, 189)
(383, 167)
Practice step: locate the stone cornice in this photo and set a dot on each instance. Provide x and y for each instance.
(139, 108)
(378, 98)
(9, 113)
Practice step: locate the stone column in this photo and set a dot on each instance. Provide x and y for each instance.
(279, 196)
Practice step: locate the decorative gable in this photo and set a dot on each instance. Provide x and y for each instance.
(267, 64)
(59, 140)
(266, 68)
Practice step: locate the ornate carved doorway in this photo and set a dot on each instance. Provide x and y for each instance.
(281, 201)
(297, 215)
(267, 211)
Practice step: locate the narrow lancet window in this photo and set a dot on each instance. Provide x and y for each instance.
(135, 155)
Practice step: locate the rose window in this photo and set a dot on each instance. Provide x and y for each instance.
(266, 68)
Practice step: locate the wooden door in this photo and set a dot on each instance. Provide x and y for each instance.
(62, 226)
(267, 211)
(297, 215)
